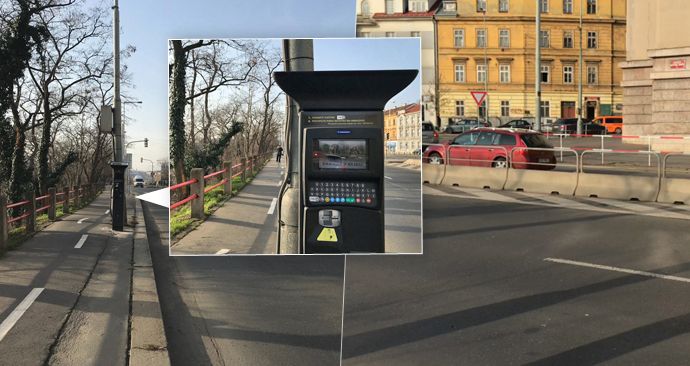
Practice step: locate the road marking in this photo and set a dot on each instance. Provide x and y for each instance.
(617, 269)
(280, 182)
(223, 252)
(387, 177)
(107, 212)
(17, 313)
(273, 206)
(82, 220)
(81, 241)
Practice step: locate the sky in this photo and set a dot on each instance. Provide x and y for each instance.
(147, 25)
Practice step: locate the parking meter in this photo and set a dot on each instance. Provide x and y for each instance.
(342, 156)
(118, 201)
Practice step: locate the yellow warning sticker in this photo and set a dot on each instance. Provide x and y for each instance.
(328, 234)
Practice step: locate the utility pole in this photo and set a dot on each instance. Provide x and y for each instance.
(299, 56)
(579, 87)
(119, 207)
(537, 72)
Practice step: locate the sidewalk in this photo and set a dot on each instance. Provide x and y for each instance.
(245, 224)
(79, 272)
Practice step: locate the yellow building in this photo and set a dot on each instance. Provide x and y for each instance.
(499, 43)
(390, 127)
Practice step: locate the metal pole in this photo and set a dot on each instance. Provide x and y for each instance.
(486, 69)
(117, 101)
(537, 66)
(299, 56)
(579, 87)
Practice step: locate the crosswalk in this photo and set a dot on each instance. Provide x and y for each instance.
(654, 209)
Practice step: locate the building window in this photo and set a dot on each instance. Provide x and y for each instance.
(591, 6)
(591, 39)
(567, 6)
(481, 37)
(390, 34)
(365, 34)
(545, 39)
(545, 74)
(505, 108)
(503, 6)
(481, 73)
(365, 7)
(482, 109)
(415, 34)
(504, 73)
(568, 39)
(544, 6)
(450, 6)
(459, 38)
(417, 6)
(504, 38)
(460, 108)
(568, 72)
(545, 108)
(592, 74)
(389, 7)
(459, 73)
(481, 6)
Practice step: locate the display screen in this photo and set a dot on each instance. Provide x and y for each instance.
(340, 154)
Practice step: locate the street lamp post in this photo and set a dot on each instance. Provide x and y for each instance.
(537, 66)
(579, 87)
(486, 70)
(119, 208)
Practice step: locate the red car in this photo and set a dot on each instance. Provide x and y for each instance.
(490, 147)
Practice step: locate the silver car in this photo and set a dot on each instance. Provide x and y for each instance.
(429, 133)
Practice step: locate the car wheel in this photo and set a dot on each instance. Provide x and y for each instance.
(500, 163)
(435, 158)
(618, 131)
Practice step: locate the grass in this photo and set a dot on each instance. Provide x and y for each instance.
(181, 220)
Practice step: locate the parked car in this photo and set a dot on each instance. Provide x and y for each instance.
(491, 147)
(518, 123)
(459, 126)
(613, 124)
(569, 125)
(429, 133)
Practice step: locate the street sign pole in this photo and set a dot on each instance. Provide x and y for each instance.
(537, 66)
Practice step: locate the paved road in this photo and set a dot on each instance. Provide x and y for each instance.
(483, 293)
(246, 310)
(247, 224)
(80, 315)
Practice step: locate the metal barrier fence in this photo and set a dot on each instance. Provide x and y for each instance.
(24, 212)
(198, 186)
(638, 175)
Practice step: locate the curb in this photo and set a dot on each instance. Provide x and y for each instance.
(148, 344)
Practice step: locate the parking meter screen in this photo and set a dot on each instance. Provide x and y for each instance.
(341, 154)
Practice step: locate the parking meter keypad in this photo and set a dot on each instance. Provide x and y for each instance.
(342, 193)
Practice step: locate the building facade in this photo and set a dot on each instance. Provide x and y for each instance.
(489, 45)
(405, 18)
(409, 131)
(656, 73)
(390, 128)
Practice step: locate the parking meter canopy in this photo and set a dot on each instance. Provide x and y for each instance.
(342, 185)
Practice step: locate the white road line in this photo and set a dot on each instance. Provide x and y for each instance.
(81, 241)
(82, 220)
(223, 252)
(387, 177)
(617, 269)
(273, 206)
(17, 313)
(107, 212)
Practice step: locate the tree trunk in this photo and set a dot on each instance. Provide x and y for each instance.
(177, 109)
(44, 149)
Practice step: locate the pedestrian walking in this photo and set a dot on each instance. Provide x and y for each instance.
(279, 154)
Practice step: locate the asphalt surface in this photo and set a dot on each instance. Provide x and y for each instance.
(239, 310)
(483, 293)
(247, 223)
(81, 315)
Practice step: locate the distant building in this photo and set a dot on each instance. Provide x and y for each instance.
(409, 131)
(656, 73)
(405, 18)
(495, 40)
(390, 128)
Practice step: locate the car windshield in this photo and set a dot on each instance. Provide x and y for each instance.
(534, 140)
(427, 127)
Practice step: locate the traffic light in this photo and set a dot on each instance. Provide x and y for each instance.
(146, 143)
(142, 160)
